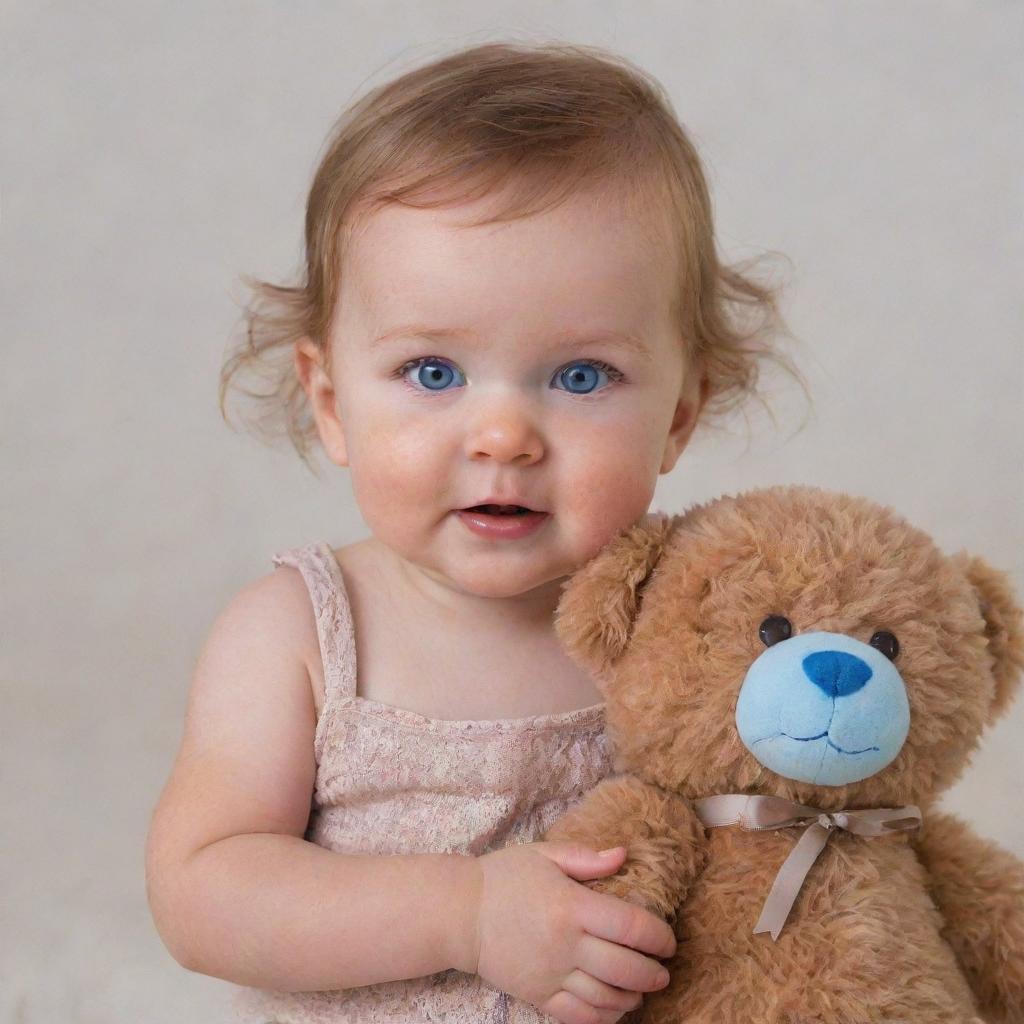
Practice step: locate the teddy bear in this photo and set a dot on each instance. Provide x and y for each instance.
(792, 677)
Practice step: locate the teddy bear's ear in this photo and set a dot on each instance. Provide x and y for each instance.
(1004, 627)
(600, 602)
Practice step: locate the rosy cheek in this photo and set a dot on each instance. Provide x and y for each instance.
(612, 465)
(605, 500)
(399, 473)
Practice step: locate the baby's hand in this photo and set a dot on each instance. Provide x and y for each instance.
(559, 945)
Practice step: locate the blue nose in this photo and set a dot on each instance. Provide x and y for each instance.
(837, 673)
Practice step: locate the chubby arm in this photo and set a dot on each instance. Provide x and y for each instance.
(979, 888)
(235, 890)
(664, 840)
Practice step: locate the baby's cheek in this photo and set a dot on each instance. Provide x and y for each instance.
(611, 495)
(398, 478)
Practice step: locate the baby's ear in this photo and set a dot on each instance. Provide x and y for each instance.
(599, 606)
(1004, 627)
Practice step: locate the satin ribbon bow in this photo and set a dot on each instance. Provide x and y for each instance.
(769, 812)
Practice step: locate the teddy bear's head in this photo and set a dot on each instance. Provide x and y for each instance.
(793, 642)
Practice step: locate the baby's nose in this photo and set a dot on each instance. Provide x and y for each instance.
(504, 430)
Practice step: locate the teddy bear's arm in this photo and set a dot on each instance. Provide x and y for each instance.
(664, 840)
(979, 888)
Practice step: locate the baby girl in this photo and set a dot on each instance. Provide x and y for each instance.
(511, 318)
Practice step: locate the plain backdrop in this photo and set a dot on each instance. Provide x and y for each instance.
(152, 152)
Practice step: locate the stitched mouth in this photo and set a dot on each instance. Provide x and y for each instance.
(806, 739)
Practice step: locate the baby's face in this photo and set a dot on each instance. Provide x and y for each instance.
(473, 362)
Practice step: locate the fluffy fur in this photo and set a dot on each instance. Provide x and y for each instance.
(923, 926)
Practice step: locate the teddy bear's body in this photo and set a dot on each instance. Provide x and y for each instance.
(863, 943)
(815, 649)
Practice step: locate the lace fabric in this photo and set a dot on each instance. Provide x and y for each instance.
(391, 781)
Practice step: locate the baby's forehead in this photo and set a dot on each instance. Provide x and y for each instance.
(581, 262)
(596, 216)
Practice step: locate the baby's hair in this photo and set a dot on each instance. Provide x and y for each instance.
(535, 123)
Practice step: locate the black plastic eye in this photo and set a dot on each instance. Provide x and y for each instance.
(885, 642)
(774, 630)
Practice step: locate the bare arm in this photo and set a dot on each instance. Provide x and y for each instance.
(275, 911)
(979, 888)
(234, 889)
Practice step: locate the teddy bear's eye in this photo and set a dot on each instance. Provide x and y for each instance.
(885, 642)
(774, 630)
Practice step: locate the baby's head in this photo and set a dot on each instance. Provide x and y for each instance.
(512, 295)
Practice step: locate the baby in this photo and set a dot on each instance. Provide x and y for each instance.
(511, 319)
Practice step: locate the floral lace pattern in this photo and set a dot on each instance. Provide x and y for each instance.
(390, 780)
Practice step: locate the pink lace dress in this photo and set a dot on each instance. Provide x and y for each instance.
(390, 780)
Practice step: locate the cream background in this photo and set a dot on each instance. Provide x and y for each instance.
(152, 152)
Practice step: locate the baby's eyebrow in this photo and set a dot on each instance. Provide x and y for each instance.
(563, 340)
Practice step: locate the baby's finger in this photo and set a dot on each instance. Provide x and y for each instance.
(619, 966)
(611, 918)
(570, 1009)
(597, 993)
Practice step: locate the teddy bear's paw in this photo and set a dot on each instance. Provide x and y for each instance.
(622, 887)
(614, 886)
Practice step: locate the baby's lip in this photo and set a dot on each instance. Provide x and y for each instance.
(507, 500)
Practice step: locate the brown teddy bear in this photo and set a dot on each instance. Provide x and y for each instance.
(792, 678)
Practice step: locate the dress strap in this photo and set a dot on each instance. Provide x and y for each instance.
(334, 625)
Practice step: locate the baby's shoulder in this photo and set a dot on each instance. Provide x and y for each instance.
(289, 591)
(281, 597)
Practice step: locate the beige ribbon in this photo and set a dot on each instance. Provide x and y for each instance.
(769, 812)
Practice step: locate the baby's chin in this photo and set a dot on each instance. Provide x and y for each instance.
(498, 578)
(451, 563)
(502, 575)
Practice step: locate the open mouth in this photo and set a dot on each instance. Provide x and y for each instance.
(500, 510)
(502, 522)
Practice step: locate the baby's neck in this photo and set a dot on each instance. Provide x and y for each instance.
(430, 593)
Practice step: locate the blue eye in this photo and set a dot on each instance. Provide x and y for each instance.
(430, 372)
(583, 376)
